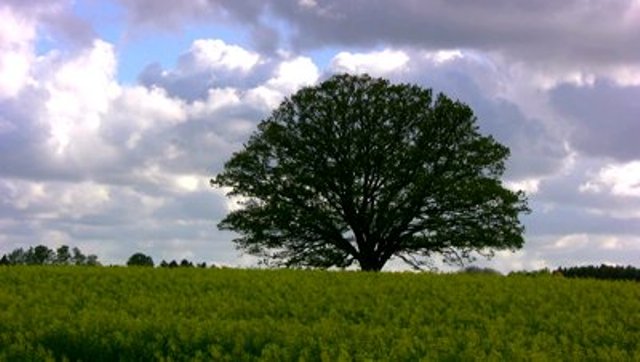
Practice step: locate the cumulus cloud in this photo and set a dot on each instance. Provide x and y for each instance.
(17, 34)
(80, 91)
(80, 149)
(215, 54)
(208, 63)
(47, 98)
(292, 74)
(116, 168)
(619, 180)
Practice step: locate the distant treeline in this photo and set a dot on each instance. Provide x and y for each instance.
(64, 255)
(182, 264)
(602, 272)
(608, 272)
(140, 259)
(42, 255)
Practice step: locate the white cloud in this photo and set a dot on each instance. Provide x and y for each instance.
(620, 180)
(264, 98)
(23, 195)
(149, 106)
(529, 186)
(190, 183)
(17, 35)
(139, 109)
(288, 77)
(378, 63)
(571, 241)
(506, 261)
(443, 56)
(291, 75)
(217, 98)
(80, 92)
(14, 72)
(56, 200)
(307, 3)
(625, 75)
(216, 54)
(80, 199)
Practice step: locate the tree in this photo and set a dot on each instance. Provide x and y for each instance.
(63, 255)
(357, 169)
(92, 260)
(78, 257)
(139, 259)
(17, 257)
(40, 255)
(186, 263)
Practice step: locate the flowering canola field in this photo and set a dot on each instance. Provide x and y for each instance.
(112, 314)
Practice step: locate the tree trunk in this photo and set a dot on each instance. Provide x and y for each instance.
(370, 263)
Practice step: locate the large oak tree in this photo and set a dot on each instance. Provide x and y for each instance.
(357, 169)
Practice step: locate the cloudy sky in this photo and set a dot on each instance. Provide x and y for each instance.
(115, 114)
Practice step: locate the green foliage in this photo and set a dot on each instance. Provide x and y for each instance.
(183, 264)
(140, 259)
(63, 255)
(478, 270)
(357, 169)
(532, 273)
(128, 314)
(611, 272)
(607, 272)
(42, 255)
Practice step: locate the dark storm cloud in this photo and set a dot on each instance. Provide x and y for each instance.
(169, 15)
(569, 32)
(194, 206)
(590, 31)
(605, 118)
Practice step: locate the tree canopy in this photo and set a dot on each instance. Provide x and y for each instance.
(140, 259)
(42, 255)
(359, 170)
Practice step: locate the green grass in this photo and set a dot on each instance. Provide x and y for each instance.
(110, 314)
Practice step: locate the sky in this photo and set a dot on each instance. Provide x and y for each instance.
(114, 115)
